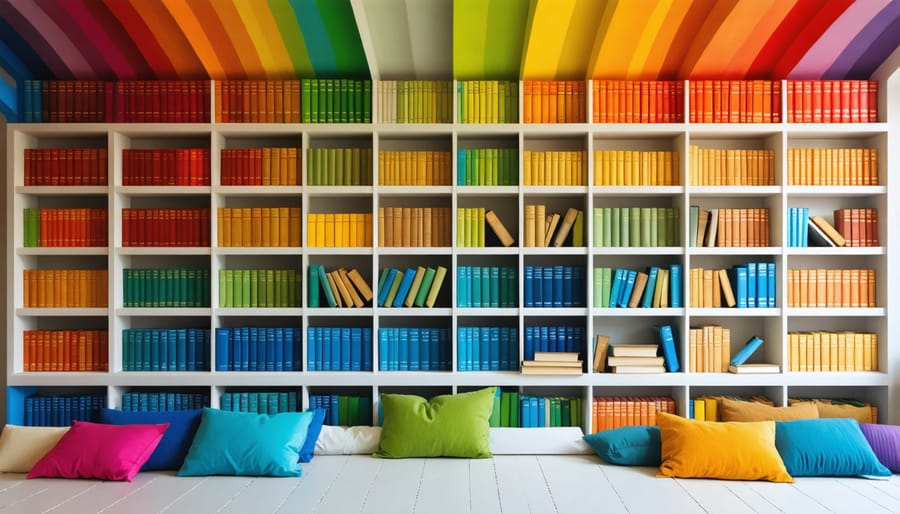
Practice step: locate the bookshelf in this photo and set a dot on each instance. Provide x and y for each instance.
(628, 325)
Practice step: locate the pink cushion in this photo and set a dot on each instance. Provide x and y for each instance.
(95, 450)
(885, 442)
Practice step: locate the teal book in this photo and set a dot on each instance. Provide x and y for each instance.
(647, 299)
(323, 280)
(493, 293)
(385, 286)
(747, 351)
(670, 353)
(425, 287)
(625, 292)
(618, 282)
(403, 290)
(494, 420)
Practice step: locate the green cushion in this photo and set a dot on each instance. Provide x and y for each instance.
(445, 426)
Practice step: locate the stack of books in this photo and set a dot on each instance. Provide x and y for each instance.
(635, 358)
(553, 363)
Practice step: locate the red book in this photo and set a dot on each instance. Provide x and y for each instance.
(854, 101)
(845, 101)
(872, 102)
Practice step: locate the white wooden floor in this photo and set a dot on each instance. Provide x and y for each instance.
(507, 484)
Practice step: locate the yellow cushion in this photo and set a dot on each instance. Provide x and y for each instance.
(709, 449)
(862, 414)
(736, 410)
(21, 447)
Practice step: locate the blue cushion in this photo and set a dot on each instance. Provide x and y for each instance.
(312, 435)
(628, 446)
(243, 443)
(170, 452)
(826, 447)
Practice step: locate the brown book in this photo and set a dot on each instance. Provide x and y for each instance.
(499, 229)
(600, 349)
(702, 222)
(565, 227)
(551, 227)
(351, 291)
(829, 230)
(360, 284)
(539, 214)
(640, 282)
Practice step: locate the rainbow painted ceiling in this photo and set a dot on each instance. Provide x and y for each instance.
(565, 39)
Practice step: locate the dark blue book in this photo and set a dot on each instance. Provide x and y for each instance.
(538, 286)
(415, 364)
(276, 343)
(405, 284)
(528, 282)
(675, 286)
(356, 349)
(253, 346)
(245, 348)
(440, 349)
(367, 349)
(495, 348)
(568, 287)
(547, 281)
(562, 288)
(543, 339)
(529, 344)
(335, 363)
(383, 349)
(325, 362)
(223, 362)
(425, 349)
(163, 349)
(191, 350)
(345, 349)
(154, 350)
(170, 352)
(670, 354)
(751, 346)
(312, 341)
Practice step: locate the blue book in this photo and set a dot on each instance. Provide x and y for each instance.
(484, 348)
(425, 348)
(344, 364)
(670, 353)
(461, 341)
(383, 349)
(440, 349)
(245, 348)
(383, 291)
(528, 282)
(405, 284)
(792, 226)
(475, 350)
(336, 351)
(770, 290)
(495, 349)
(494, 290)
(548, 286)
(617, 284)
(553, 342)
(751, 285)
(287, 352)
(164, 349)
(475, 287)
(675, 287)
(312, 342)
(253, 346)
(543, 339)
(403, 350)
(154, 351)
(394, 349)
(460, 163)
(235, 349)
(325, 362)
(740, 286)
(804, 221)
(562, 287)
(190, 349)
(628, 287)
(538, 286)
(415, 364)
(647, 299)
(168, 351)
(356, 349)
(529, 343)
(462, 298)
(762, 285)
(745, 352)
(276, 345)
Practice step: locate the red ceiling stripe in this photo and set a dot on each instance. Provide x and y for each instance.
(94, 57)
(119, 38)
(781, 37)
(166, 31)
(802, 40)
(80, 24)
(160, 64)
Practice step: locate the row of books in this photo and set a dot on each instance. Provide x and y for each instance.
(152, 401)
(257, 349)
(470, 227)
(268, 166)
(64, 227)
(64, 288)
(832, 101)
(65, 166)
(343, 410)
(487, 167)
(339, 229)
(553, 101)
(165, 227)
(165, 167)
(554, 168)
(859, 227)
(413, 227)
(259, 288)
(124, 101)
(260, 402)
(414, 101)
(832, 351)
(488, 101)
(554, 286)
(658, 287)
(414, 168)
(540, 412)
(165, 287)
(636, 226)
(750, 285)
(339, 349)
(705, 408)
(415, 287)
(340, 287)
(162, 349)
(735, 101)
(831, 288)
(731, 167)
(609, 412)
(635, 168)
(638, 101)
(65, 350)
(487, 348)
(729, 227)
(480, 287)
(542, 229)
(258, 226)
(258, 101)
(833, 166)
(800, 225)
(339, 166)
(336, 101)
(61, 410)
(553, 339)
(709, 349)
(414, 349)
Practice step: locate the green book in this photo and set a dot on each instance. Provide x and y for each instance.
(356, 172)
(305, 100)
(270, 288)
(514, 410)
(356, 112)
(313, 286)
(645, 217)
(343, 410)
(293, 284)
(392, 292)
(254, 288)
(346, 154)
(634, 222)
(281, 289)
(505, 409)
(329, 171)
(314, 97)
(423, 289)
(353, 411)
(692, 228)
(238, 295)
(578, 229)
(674, 215)
(495, 168)
(222, 293)
(494, 420)
(311, 155)
(654, 227)
(555, 412)
(598, 227)
(367, 101)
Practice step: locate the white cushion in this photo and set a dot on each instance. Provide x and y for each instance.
(21, 447)
(335, 440)
(538, 441)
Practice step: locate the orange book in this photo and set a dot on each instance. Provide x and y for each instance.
(352, 297)
(294, 226)
(283, 226)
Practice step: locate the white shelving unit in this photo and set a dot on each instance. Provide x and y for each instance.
(623, 325)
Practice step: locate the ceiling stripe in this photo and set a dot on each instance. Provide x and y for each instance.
(646, 39)
(803, 39)
(505, 39)
(431, 38)
(470, 22)
(243, 45)
(390, 39)
(544, 44)
(579, 40)
(715, 17)
(309, 26)
(788, 27)
(13, 38)
(273, 57)
(880, 50)
(628, 22)
(221, 40)
(824, 51)
(341, 27)
(58, 41)
(687, 30)
(117, 38)
(187, 19)
(855, 50)
(63, 16)
(133, 23)
(662, 41)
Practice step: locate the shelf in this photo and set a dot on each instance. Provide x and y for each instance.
(840, 312)
(404, 312)
(257, 190)
(837, 250)
(414, 250)
(260, 250)
(64, 250)
(163, 190)
(734, 250)
(636, 312)
(601, 251)
(726, 312)
(336, 250)
(415, 190)
(62, 190)
(487, 312)
(555, 250)
(80, 312)
(737, 191)
(494, 250)
(176, 312)
(339, 190)
(554, 191)
(636, 190)
(339, 311)
(259, 311)
(833, 191)
(486, 190)
(554, 311)
(164, 250)
(733, 130)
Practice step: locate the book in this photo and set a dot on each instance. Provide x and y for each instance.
(633, 350)
(551, 228)
(601, 345)
(828, 230)
(565, 227)
(550, 370)
(499, 229)
(414, 288)
(667, 342)
(556, 356)
(638, 369)
(751, 346)
(754, 368)
(360, 284)
(725, 285)
(635, 361)
(550, 364)
(436, 283)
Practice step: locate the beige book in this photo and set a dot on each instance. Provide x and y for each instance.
(829, 230)
(554, 221)
(565, 227)
(414, 288)
(640, 282)
(725, 283)
(334, 290)
(539, 214)
(360, 284)
(530, 217)
(550, 370)
(556, 356)
(348, 285)
(342, 289)
(506, 239)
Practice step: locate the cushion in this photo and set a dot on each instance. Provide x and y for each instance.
(21, 447)
(312, 435)
(244, 443)
(711, 449)
(885, 442)
(628, 446)
(338, 440)
(170, 452)
(546, 441)
(737, 410)
(445, 426)
(96, 450)
(826, 447)
(862, 414)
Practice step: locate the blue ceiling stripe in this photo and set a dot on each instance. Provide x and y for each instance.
(315, 34)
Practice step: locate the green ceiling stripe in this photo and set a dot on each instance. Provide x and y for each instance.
(506, 21)
(469, 38)
(294, 42)
(341, 26)
(314, 34)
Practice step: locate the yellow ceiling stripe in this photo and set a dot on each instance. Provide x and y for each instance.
(661, 43)
(595, 67)
(470, 20)
(190, 25)
(243, 44)
(545, 41)
(265, 36)
(627, 24)
(718, 58)
(579, 40)
(646, 41)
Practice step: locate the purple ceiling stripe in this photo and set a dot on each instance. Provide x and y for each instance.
(878, 52)
(63, 18)
(858, 47)
(39, 45)
(59, 42)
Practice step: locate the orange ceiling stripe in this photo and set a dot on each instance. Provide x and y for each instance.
(220, 39)
(701, 38)
(664, 39)
(170, 38)
(579, 40)
(243, 45)
(771, 19)
(266, 38)
(628, 22)
(646, 40)
(602, 28)
(186, 18)
(720, 58)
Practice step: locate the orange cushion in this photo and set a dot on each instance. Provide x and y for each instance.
(736, 410)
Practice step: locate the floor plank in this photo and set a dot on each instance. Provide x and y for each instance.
(751, 497)
(318, 477)
(787, 497)
(444, 487)
(522, 486)
(484, 494)
(711, 495)
(348, 493)
(155, 495)
(41, 494)
(641, 491)
(836, 494)
(104, 494)
(578, 485)
(394, 486)
(262, 494)
(210, 495)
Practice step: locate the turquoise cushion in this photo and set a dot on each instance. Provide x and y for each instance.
(826, 447)
(242, 443)
(170, 452)
(628, 446)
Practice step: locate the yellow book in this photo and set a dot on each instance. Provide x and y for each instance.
(461, 226)
(355, 299)
(539, 215)
(496, 225)
(367, 229)
(294, 226)
(334, 289)
(530, 223)
(256, 226)
(360, 284)
(224, 228)
(329, 230)
(479, 227)
(700, 410)
(414, 288)
(320, 230)
(311, 229)
(711, 409)
(344, 229)
(274, 226)
(352, 227)
(392, 292)
(439, 275)
(551, 228)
